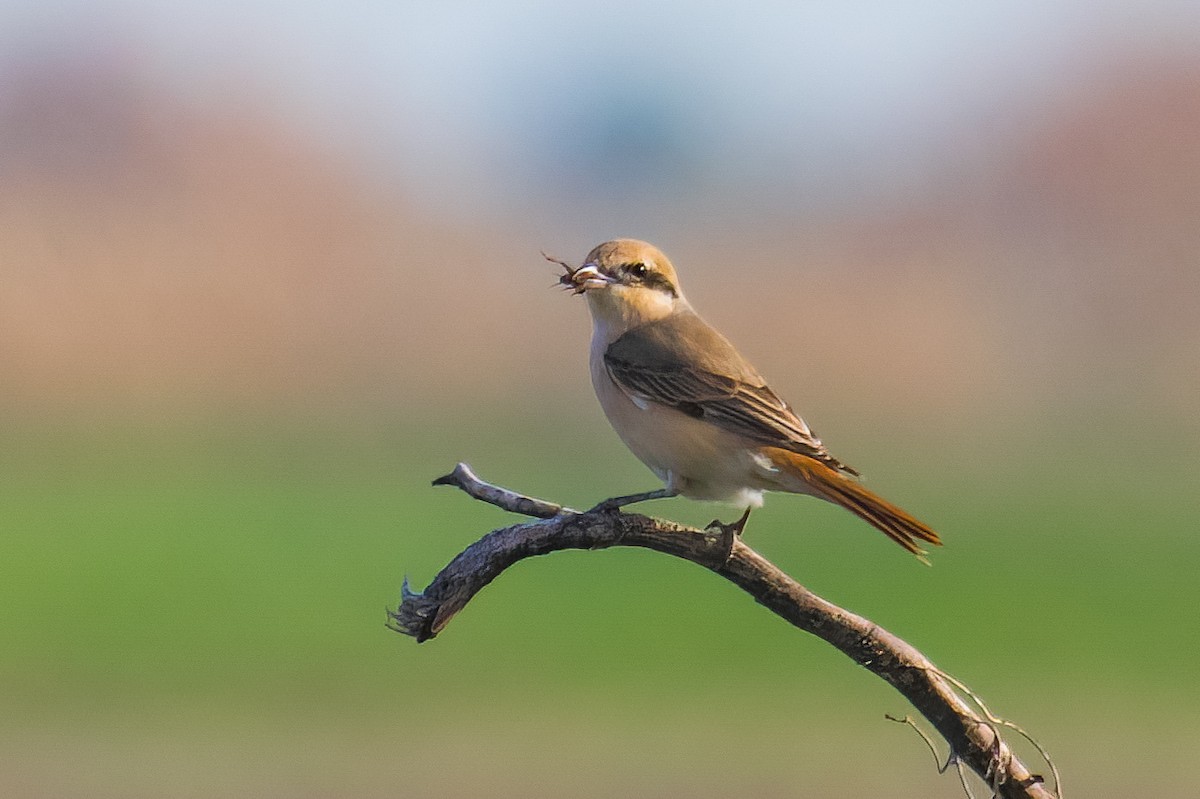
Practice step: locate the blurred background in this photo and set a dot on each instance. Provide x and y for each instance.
(267, 268)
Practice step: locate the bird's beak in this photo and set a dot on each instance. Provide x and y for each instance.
(588, 277)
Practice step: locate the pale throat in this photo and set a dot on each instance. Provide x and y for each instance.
(615, 310)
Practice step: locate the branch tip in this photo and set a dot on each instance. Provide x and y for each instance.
(415, 616)
(460, 477)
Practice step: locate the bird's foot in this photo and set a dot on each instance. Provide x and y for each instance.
(729, 533)
(735, 528)
(611, 506)
(615, 504)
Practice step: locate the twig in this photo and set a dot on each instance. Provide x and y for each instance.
(937, 761)
(462, 477)
(973, 740)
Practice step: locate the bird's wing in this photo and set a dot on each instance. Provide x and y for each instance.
(683, 363)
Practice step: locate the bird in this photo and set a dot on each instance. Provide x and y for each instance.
(694, 410)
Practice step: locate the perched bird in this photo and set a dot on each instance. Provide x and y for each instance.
(693, 409)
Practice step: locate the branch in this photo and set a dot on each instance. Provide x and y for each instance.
(462, 477)
(971, 730)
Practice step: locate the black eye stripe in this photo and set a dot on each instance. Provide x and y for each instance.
(640, 273)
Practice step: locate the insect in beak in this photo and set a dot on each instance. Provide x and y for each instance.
(566, 279)
(579, 279)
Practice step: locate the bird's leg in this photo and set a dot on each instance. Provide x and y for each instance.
(616, 503)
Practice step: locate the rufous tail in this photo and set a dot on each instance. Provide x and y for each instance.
(840, 489)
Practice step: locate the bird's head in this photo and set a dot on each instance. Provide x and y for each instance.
(627, 283)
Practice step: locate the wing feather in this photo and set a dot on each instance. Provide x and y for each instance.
(681, 362)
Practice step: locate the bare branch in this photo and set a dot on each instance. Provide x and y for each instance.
(974, 739)
(462, 477)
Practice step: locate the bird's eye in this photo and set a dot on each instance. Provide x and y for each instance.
(639, 270)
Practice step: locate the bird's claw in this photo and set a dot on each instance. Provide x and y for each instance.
(735, 528)
(726, 538)
(608, 506)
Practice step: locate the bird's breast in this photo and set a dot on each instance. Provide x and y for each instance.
(695, 456)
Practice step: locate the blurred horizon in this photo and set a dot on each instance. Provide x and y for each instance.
(217, 249)
(269, 269)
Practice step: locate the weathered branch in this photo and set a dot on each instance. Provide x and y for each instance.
(973, 733)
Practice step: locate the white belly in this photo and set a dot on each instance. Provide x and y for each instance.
(689, 455)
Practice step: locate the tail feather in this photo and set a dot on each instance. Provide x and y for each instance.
(830, 484)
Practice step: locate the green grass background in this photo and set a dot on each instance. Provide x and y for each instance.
(198, 610)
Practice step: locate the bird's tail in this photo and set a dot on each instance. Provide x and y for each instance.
(829, 484)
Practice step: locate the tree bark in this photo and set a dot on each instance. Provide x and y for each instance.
(972, 732)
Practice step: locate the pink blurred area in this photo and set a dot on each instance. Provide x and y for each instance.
(163, 252)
